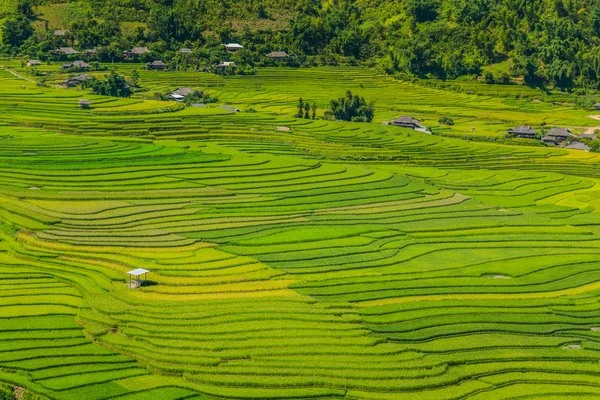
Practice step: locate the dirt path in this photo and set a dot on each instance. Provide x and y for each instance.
(591, 129)
(16, 74)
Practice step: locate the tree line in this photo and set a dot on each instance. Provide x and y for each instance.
(553, 43)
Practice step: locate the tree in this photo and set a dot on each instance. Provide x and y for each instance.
(306, 110)
(25, 9)
(300, 112)
(114, 85)
(15, 32)
(489, 78)
(351, 108)
(314, 111)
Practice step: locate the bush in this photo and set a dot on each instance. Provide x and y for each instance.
(446, 121)
(6, 393)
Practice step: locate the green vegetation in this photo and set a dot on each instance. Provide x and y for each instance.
(294, 257)
(546, 43)
(351, 108)
(113, 85)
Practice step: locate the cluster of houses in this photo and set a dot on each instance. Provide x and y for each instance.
(554, 137)
(156, 65)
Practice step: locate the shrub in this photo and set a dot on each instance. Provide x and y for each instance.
(6, 393)
(445, 120)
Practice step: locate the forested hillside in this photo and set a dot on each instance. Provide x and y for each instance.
(544, 42)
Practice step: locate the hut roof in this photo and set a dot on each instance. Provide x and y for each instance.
(560, 132)
(140, 50)
(85, 102)
(578, 146)
(185, 50)
(80, 64)
(34, 62)
(522, 129)
(236, 46)
(407, 120)
(157, 63)
(277, 54)
(225, 64)
(590, 136)
(67, 50)
(138, 272)
(59, 32)
(183, 91)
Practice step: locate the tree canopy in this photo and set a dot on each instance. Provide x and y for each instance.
(351, 108)
(545, 42)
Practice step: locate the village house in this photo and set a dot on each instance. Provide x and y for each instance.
(549, 140)
(525, 132)
(75, 80)
(84, 104)
(407, 122)
(578, 146)
(597, 106)
(68, 51)
(589, 136)
(89, 52)
(226, 64)
(156, 65)
(34, 63)
(233, 47)
(82, 65)
(559, 134)
(277, 55)
(136, 52)
(180, 94)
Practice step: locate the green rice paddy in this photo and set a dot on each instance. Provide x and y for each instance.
(293, 258)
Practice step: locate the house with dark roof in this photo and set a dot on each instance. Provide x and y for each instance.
(589, 136)
(136, 52)
(525, 132)
(549, 140)
(407, 122)
(156, 65)
(597, 106)
(66, 51)
(34, 63)
(578, 146)
(180, 93)
(560, 134)
(76, 64)
(89, 52)
(277, 55)
(76, 80)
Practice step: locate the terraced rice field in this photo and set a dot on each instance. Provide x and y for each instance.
(323, 260)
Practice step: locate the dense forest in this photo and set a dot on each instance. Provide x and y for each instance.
(542, 42)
